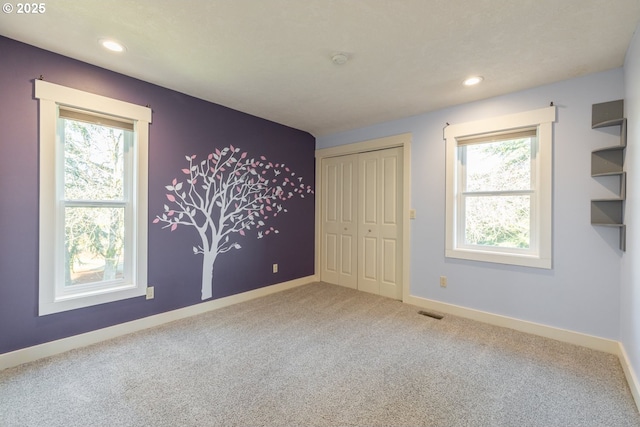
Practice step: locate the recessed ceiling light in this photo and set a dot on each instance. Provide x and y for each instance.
(471, 81)
(112, 45)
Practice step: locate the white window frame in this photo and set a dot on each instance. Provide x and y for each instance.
(540, 254)
(52, 296)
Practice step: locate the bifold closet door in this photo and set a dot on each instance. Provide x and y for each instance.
(379, 228)
(339, 221)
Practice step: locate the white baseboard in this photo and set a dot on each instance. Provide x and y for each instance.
(29, 354)
(630, 374)
(577, 338)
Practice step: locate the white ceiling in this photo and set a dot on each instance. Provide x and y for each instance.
(272, 58)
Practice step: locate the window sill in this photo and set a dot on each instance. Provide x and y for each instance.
(65, 303)
(500, 258)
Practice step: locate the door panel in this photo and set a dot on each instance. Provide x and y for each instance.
(331, 203)
(390, 190)
(389, 253)
(369, 189)
(390, 230)
(380, 203)
(370, 265)
(348, 248)
(368, 274)
(339, 260)
(331, 252)
(389, 283)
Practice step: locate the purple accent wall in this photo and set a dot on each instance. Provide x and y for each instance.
(182, 125)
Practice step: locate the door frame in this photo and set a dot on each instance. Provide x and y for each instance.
(401, 140)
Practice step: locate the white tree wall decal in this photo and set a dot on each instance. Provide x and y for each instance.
(228, 193)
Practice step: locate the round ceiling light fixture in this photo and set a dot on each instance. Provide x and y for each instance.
(472, 81)
(339, 58)
(112, 45)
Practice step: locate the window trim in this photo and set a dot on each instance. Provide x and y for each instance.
(51, 96)
(542, 119)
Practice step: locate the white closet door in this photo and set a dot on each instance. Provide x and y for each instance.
(361, 205)
(379, 229)
(339, 221)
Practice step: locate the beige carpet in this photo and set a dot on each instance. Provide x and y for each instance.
(321, 355)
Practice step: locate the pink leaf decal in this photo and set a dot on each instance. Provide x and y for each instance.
(174, 182)
(194, 182)
(210, 156)
(157, 220)
(267, 232)
(170, 213)
(243, 155)
(263, 158)
(241, 232)
(193, 157)
(186, 171)
(269, 208)
(171, 197)
(232, 147)
(174, 226)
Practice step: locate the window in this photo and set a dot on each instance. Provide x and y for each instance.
(93, 198)
(498, 202)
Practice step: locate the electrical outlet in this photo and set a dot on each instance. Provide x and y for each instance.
(150, 292)
(275, 268)
(443, 281)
